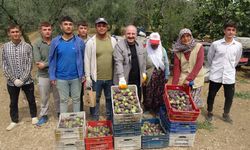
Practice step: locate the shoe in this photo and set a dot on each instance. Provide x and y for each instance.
(34, 120)
(11, 126)
(42, 120)
(209, 116)
(227, 118)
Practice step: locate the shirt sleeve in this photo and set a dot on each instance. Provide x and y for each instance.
(166, 63)
(198, 65)
(6, 70)
(28, 67)
(210, 54)
(118, 60)
(176, 70)
(36, 52)
(238, 56)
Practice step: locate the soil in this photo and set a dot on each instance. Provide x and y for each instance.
(223, 136)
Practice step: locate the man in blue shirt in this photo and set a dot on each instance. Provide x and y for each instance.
(66, 69)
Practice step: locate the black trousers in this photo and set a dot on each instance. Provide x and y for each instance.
(14, 94)
(229, 90)
(81, 98)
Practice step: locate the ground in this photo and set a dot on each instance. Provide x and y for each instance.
(218, 136)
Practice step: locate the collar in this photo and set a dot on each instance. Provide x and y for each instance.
(223, 41)
(12, 43)
(73, 37)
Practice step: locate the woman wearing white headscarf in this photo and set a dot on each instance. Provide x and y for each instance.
(157, 67)
(188, 64)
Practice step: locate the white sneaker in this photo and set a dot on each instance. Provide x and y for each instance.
(11, 126)
(35, 120)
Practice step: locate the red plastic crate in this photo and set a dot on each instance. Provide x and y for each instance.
(175, 115)
(99, 143)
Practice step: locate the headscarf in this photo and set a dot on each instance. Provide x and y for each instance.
(155, 54)
(179, 47)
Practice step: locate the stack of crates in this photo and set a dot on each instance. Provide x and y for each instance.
(154, 141)
(180, 124)
(127, 127)
(70, 131)
(104, 142)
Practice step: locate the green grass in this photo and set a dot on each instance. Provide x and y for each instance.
(243, 81)
(206, 125)
(242, 95)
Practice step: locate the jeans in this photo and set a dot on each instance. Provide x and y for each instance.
(45, 88)
(228, 94)
(98, 86)
(67, 88)
(14, 94)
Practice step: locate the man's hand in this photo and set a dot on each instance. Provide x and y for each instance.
(40, 65)
(18, 83)
(53, 82)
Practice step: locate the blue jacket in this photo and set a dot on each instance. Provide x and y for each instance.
(80, 46)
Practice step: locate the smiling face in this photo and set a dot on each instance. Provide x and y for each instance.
(15, 34)
(131, 34)
(67, 27)
(186, 39)
(101, 28)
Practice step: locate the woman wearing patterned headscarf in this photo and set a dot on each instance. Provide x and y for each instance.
(188, 64)
(157, 67)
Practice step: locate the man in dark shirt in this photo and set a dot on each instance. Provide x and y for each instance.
(130, 60)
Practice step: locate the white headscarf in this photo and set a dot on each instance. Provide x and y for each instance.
(155, 54)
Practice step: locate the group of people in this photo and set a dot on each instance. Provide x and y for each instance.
(69, 63)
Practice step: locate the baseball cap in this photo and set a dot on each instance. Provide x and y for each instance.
(154, 38)
(99, 20)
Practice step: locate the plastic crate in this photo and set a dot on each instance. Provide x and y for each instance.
(128, 129)
(176, 126)
(180, 115)
(70, 144)
(181, 139)
(126, 118)
(159, 141)
(65, 133)
(127, 143)
(99, 143)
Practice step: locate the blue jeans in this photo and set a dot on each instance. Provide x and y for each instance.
(66, 89)
(98, 86)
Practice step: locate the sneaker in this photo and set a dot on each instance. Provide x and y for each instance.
(209, 116)
(42, 120)
(11, 126)
(34, 120)
(227, 118)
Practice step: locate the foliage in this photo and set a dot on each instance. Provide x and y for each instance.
(213, 13)
(242, 95)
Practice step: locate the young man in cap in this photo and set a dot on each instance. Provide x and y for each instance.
(41, 54)
(17, 65)
(130, 60)
(99, 65)
(66, 69)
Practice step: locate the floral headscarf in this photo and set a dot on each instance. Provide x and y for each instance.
(179, 47)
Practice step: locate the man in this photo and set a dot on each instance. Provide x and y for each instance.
(82, 29)
(223, 57)
(41, 54)
(17, 65)
(130, 60)
(99, 66)
(66, 69)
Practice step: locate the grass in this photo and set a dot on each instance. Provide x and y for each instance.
(242, 95)
(206, 125)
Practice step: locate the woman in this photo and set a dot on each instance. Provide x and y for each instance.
(188, 64)
(157, 67)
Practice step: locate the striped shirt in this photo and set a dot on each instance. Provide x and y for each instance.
(17, 62)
